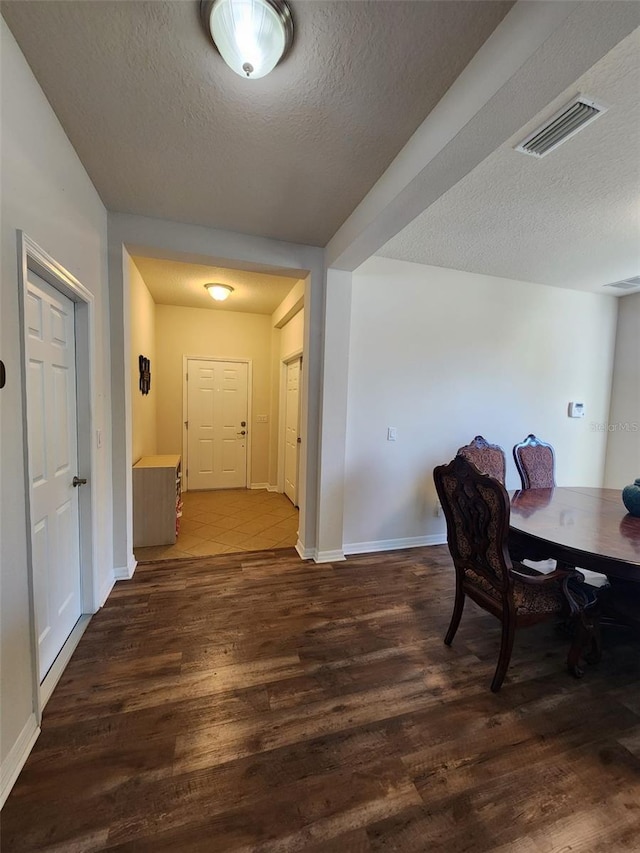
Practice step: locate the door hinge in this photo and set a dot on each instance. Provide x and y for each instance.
(186, 424)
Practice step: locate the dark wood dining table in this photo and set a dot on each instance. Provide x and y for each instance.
(591, 529)
(586, 527)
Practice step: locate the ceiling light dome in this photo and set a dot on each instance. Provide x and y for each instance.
(252, 36)
(219, 292)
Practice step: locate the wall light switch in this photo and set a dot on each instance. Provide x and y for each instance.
(392, 433)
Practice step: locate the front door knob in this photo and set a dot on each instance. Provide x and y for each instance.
(78, 481)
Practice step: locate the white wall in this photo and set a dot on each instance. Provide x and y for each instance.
(217, 334)
(442, 356)
(623, 425)
(332, 474)
(46, 193)
(143, 342)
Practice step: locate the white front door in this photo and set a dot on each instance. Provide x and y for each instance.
(292, 424)
(217, 394)
(53, 459)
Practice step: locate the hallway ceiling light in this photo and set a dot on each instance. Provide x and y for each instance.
(251, 36)
(219, 292)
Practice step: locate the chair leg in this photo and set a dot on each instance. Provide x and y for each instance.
(506, 647)
(594, 655)
(587, 642)
(458, 607)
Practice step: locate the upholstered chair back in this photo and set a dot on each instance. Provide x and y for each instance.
(476, 508)
(535, 462)
(488, 458)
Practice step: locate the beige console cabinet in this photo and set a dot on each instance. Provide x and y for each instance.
(156, 500)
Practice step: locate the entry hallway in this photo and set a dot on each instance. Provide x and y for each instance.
(252, 702)
(229, 520)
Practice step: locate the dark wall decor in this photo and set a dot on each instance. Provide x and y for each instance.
(145, 373)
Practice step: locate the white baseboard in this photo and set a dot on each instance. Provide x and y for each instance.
(369, 547)
(105, 592)
(264, 486)
(271, 488)
(60, 663)
(305, 553)
(395, 544)
(15, 760)
(329, 556)
(125, 573)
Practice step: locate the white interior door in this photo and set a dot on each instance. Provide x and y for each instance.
(292, 428)
(53, 459)
(217, 396)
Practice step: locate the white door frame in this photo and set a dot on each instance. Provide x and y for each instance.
(32, 258)
(185, 444)
(282, 427)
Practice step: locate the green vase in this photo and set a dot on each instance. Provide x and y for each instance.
(631, 498)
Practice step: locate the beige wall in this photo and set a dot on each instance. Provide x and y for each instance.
(143, 342)
(623, 426)
(444, 355)
(219, 334)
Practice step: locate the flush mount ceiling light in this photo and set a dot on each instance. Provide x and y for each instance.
(219, 292)
(251, 36)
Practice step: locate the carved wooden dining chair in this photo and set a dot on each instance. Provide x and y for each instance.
(488, 458)
(535, 461)
(476, 509)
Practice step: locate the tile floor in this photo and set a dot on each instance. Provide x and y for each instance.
(227, 521)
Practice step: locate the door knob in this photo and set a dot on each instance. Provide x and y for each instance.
(78, 481)
(243, 432)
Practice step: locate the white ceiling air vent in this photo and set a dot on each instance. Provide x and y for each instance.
(626, 283)
(573, 117)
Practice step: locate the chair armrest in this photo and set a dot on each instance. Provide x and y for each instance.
(541, 580)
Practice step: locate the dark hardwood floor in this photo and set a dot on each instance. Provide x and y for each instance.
(253, 702)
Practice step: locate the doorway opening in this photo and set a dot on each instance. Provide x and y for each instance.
(213, 414)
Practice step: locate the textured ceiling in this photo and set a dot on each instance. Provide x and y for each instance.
(570, 219)
(179, 283)
(165, 129)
